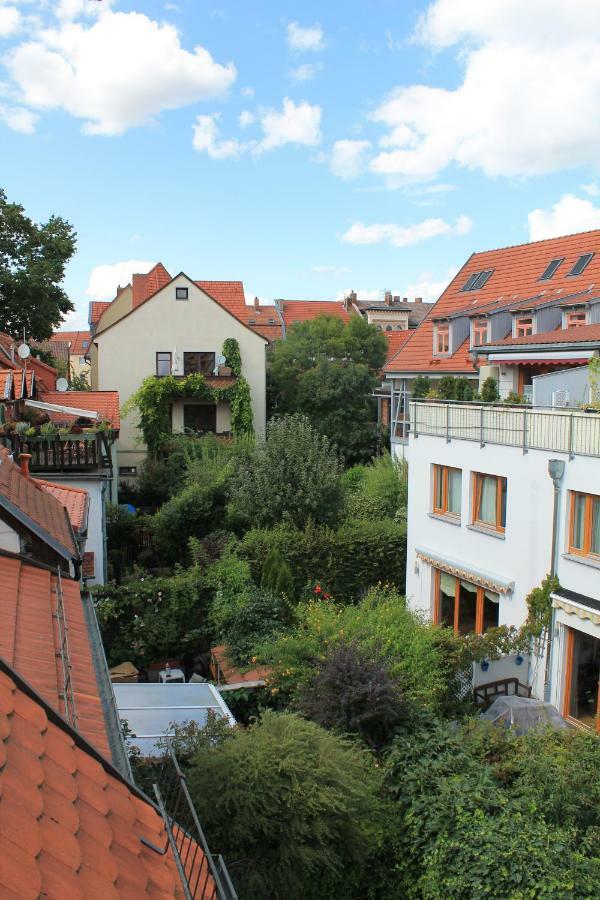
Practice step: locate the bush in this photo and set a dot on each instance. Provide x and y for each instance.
(376, 491)
(294, 809)
(347, 560)
(489, 390)
(195, 512)
(446, 388)
(277, 575)
(463, 389)
(292, 476)
(354, 692)
(421, 387)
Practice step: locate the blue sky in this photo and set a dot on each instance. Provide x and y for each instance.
(305, 148)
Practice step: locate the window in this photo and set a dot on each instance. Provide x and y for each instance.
(480, 332)
(489, 501)
(581, 698)
(198, 362)
(127, 471)
(447, 484)
(551, 268)
(199, 417)
(581, 264)
(181, 293)
(523, 326)
(442, 338)
(163, 364)
(584, 529)
(573, 319)
(82, 361)
(477, 280)
(85, 345)
(463, 606)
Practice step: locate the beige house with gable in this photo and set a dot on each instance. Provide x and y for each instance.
(162, 326)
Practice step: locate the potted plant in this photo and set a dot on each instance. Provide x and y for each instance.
(21, 427)
(225, 371)
(48, 429)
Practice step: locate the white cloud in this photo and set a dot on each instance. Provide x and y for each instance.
(427, 287)
(105, 279)
(305, 72)
(296, 123)
(301, 39)
(525, 68)
(206, 138)
(70, 68)
(247, 92)
(568, 216)
(246, 118)
(348, 158)
(592, 189)
(10, 20)
(335, 271)
(405, 235)
(18, 118)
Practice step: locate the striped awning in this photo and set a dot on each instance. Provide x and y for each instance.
(533, 361)
(493, 582)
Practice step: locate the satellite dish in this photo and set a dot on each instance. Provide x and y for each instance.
(23, 351)
(221, 360)
(62, 384)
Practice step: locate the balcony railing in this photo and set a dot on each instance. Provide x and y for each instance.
(538, 428)
(61, 453)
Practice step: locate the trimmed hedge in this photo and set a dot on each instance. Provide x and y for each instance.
(346, 561)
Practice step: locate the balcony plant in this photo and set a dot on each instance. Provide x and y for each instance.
(48, 429)
(21, 427)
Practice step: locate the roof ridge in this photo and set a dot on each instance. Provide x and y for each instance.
(560, 237)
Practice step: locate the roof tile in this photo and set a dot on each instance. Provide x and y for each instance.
(74, 500)
(305, 310)
(106, 403)
(19, 876)
(574, 335)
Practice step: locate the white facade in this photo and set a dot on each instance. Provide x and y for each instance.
(515, 560)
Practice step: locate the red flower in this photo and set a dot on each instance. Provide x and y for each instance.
(318, 589)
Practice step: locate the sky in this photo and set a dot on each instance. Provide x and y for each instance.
(307, 149)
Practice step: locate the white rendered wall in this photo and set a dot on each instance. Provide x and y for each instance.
(9, 539)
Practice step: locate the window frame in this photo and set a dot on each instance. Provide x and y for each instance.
(443, 510)
(588, 257)
(163, 353)
(182, 293)
(557, 263)
(572, 312)
(585, 552)
(518, 326)
(501, 483)
(476, 330)
(479, 603)
(445, 331)
(187, 353)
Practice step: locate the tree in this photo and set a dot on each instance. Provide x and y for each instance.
(421, 387)
(32, 266)
(292, 476)
(489, 390)
(328, 370)
(294, 809)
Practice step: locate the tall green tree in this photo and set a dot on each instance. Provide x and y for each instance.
(32, 266)
(327, 370)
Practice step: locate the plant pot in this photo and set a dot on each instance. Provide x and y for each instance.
(225, 371)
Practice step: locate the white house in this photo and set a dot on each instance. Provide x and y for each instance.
(483, 531)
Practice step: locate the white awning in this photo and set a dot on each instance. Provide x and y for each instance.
(498, 583)
(67, 410)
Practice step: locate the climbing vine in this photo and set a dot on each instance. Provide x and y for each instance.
(155, 396)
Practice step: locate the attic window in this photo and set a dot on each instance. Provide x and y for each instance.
(441, 340)
(581, 264)
(181, 293)
(271, 321)
(251, 321)
(551, 268)
(477, 280)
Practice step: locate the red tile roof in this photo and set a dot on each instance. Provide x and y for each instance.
(305, 310)
(36, 504)
(575, 335)
(395, 340)
(106, 403)
(76, 340)
(97, 307)
(30, 642)
(74, 500)
(6, 385)
(70, 825)
(516, 275)
(146, 285)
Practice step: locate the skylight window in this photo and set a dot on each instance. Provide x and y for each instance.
(551, 268)
(581, 264)
(476, 280)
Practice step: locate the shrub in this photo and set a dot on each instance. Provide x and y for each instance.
(195, 512)
(294, 809)
(420, 387)
(277, 575)
(446, 387)
(489, 390)
(348, 560)
(354, 692)
(292, 476)
(463, 389)
(376, 491)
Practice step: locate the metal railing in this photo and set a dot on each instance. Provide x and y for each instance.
(203, 876)
(58, 453)
(63, 652)
(531, 428)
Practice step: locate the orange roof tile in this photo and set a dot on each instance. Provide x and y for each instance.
(577, 334)
(106, 403)
(516, 277)
(75, 339)
(395, 340)
(75, 501)
(97, 307)
(70, 825)
(146, 285)
(306, 310)
(36, 505)
(231, 674)
(6, 385)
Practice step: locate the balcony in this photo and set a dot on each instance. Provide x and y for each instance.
(558, 430)
(83, 452)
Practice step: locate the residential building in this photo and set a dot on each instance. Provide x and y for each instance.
(499, 498)
(292, 311)
(503, 299)
(78, 345)
(392, 313)
(177, 326)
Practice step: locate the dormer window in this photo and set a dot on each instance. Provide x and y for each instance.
(581, 264)
(551, 269)
(575, 318)
(181, 293)
(480, 332)
(523, 326)
(441, 339)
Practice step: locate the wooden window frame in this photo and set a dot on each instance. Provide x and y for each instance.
(523, 330)
(568, 684)
(477, 486)
(480, 327)
(204, 353)
(442, 330)
(575, 324)
(586, 550)
(443, 510)
(163, 353)
(479, 601)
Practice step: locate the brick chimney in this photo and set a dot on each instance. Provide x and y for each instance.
(388, 299)
(349, 300)
(405, 299)
(257, 304)
(418, 299)
(24, 459)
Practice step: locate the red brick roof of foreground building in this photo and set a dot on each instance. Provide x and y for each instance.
(105, 403)
(74, 500)
(516, 276)
(579, 334)
(70, 825)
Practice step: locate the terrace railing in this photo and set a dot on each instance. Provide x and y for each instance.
(531, 428)
(62, 453)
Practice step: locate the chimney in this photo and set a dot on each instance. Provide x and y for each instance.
(388, 298)
(396, 299)
(24, 459)
(349, 299)
(257, 304)
(418, 299)
(405, 299)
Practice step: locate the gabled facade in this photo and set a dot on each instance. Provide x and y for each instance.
(78, 349)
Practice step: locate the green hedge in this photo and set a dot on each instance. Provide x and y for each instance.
(345, 560)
